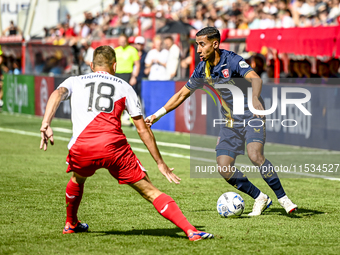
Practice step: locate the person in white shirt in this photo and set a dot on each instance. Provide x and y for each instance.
(155, 61)
(335, 10)
(87, 56)
(131, 8)
(173, 59)
(287, 20)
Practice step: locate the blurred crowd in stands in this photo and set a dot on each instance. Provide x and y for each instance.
(122, 16)
(299, 71)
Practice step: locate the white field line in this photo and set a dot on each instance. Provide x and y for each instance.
(21, 132)
(195, 148)
(320, 151)
(302, 153)
(62, 130)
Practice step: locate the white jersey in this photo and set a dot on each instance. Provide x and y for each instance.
(97, 101)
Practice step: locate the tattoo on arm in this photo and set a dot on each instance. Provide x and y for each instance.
(63, 92)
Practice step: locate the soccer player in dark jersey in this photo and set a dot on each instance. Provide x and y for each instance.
(225, 67)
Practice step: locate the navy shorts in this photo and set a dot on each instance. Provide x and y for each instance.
(231, 140)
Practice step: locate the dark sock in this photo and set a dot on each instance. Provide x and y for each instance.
(272, 179)
(241, 182)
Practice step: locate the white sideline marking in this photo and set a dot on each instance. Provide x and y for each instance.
(62, 130)
(302, 153)
(21, 132)
(195, 148)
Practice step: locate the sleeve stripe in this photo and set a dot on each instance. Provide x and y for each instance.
(186, 85)
(248, 72)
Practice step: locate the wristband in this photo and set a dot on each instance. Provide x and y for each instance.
(160, 113)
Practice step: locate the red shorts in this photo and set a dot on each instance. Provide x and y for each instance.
(122, 165)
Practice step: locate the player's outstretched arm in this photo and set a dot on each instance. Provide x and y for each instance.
(148, 139)
(175, 101)
(256, 83)
(52, 105)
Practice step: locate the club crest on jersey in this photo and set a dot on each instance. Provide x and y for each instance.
(225, 73)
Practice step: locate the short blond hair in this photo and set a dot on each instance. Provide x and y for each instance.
(104, 56)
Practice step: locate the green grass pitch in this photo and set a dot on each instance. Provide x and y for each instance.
(32, 203)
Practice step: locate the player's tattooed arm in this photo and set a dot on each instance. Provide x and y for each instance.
(256, 83)
(52, 105)
(56, 97)
(63, 92)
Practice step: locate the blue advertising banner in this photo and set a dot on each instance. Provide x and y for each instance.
(155, 95)
(318, 130)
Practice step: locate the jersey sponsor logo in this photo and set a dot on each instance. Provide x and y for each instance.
(225, 73)
(257, 130)
(243, 64)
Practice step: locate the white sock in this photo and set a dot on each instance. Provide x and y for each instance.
(261, 196)
(282, 198)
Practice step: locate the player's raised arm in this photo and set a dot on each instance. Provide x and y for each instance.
(52, 105)
(256, 83)
(172, 104)
(148, 139)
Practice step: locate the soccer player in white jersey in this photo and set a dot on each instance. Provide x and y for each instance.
(98, 100)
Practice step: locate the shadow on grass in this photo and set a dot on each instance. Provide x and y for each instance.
(300, 213)
(148, 232)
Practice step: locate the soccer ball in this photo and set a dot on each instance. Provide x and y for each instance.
(230, 204)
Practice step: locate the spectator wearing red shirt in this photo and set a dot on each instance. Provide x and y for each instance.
(69, 31)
